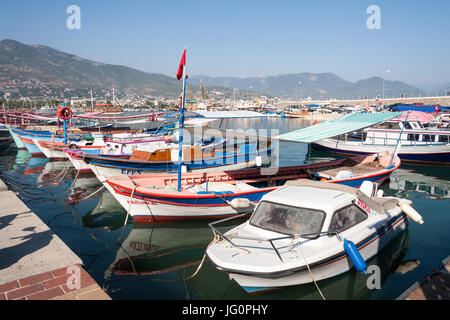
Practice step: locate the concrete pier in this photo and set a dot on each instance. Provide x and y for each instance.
(435, 286)
(34, 262)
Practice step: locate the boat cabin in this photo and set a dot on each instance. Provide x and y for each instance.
(413, 133)
(302, 208)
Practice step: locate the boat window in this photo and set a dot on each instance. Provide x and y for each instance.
(408, 125)
(413, 137)
(347, 217)
(387, 125)
(443, 138)
(428, 137)
(287, 219)
(416, 125)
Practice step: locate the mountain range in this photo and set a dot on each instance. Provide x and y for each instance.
(41, 70)
(315, 85)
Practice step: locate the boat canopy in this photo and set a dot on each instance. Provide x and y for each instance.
(423, 108)
(422, 117)
(337, 126)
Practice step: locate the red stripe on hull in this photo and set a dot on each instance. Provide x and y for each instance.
(162, 219)
(26, 140)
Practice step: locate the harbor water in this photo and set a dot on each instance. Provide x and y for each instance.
(140, 261)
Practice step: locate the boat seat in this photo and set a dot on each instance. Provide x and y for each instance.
(367, 188)
(140, 155)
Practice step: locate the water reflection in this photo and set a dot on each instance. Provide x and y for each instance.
(107, 214)
(162, 248)
(422, 181)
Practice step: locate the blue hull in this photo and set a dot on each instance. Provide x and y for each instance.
(245, 154)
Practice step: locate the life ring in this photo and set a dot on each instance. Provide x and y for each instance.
(315, 122)
(64, 113)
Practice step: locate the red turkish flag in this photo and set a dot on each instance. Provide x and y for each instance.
(182, 64)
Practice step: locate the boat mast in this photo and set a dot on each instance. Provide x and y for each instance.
(181, 126)
(114, 98)
(92, 102)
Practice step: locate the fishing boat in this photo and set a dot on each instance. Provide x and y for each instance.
(29, 137)
(155, 198)
(309, 231)
(6, 140)
(54, 150)
(415, 142)
(202, 158)
(295, 113)
(118, 144)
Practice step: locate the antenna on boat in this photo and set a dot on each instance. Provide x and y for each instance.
(181, 74)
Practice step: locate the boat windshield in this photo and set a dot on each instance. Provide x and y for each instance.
(287, 219)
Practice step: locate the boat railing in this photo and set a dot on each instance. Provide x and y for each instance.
(270, 240)
(374, 140)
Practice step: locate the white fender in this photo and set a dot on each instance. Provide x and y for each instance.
(240, 203)
(411, 212)
(258, 161)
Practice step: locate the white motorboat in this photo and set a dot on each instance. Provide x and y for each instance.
(308, 231)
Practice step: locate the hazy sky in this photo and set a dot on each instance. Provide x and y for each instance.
(246, 38)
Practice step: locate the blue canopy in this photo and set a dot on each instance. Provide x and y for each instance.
(428, 108)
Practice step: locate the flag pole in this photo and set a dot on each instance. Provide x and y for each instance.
(181, 126)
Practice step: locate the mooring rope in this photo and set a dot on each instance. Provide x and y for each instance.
(309, 270)
(128, 213)
(217, 239)
(101, 188)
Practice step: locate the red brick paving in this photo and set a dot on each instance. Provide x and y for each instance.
(46, 294)
(9, 286)
(23, 292)
(45, 286)
(35, 279)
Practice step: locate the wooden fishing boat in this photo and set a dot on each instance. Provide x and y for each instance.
(309, 231)
(202, 158)
(118, 144)
(154, 198)
(28, 137)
